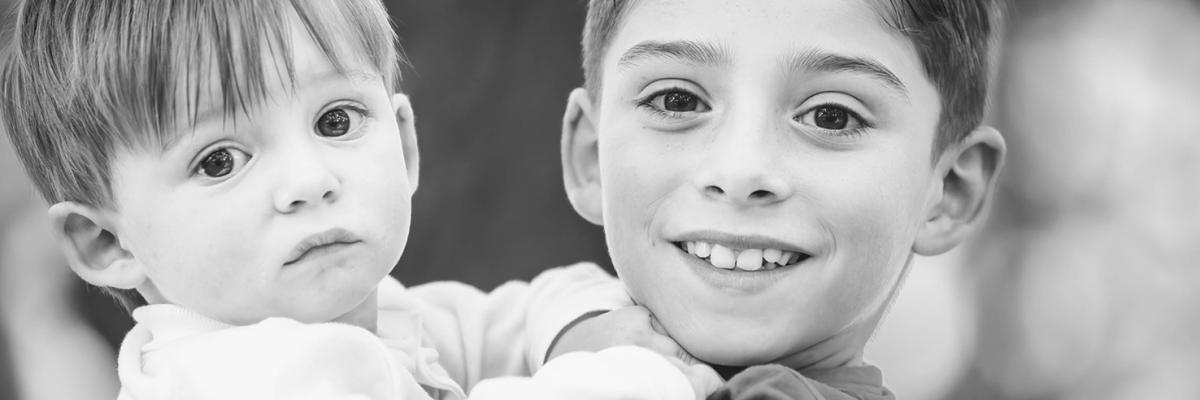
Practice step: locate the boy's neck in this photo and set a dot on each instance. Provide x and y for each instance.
(846, 348)
(365, 315)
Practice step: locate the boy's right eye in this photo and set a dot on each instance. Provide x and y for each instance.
(675, 100)
(221, 162)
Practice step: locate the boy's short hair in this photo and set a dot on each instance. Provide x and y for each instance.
(952, 38)
(84, 77)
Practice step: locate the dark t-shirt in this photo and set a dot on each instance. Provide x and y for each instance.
(765, 382)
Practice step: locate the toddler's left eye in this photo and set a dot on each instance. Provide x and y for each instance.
(338, 122)
(831, 117)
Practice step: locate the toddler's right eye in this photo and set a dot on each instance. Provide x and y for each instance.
(221, 162)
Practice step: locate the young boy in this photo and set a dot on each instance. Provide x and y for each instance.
(238, 174)
(766, 170)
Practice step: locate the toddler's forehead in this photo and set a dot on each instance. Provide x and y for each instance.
(215, 90)
(225, 70)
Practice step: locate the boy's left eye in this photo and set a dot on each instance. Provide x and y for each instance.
(338, 122)
(676, 101)
(831, 117)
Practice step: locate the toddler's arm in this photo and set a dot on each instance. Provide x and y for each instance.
(630, 325)
(624, 372)
(509, 330)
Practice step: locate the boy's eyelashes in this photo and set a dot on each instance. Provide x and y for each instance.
(828, 118)
(834, 119)
(673, 103)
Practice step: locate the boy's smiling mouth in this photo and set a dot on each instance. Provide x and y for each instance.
(739, 253)
(728, 258)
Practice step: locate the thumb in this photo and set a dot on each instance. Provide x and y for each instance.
(657, 326)
(680, 353)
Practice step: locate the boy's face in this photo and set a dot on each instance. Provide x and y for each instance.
(296, 208)
(730, 133)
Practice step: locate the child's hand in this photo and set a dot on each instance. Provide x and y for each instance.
(633, 325)
(704, 379)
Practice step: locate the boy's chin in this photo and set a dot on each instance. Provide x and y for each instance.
(733, 349)
(724, 354)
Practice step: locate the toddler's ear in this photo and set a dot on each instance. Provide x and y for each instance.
(960, 199)
(408, 134)
(92, 248)
(581, 157)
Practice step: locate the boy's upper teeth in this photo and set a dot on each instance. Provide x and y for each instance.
(772, 255)
(748, 260)
(722, 257)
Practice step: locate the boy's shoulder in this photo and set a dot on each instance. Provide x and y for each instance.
(769, 381)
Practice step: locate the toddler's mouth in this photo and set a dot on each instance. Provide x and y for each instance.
(743, 260)
(329, 240)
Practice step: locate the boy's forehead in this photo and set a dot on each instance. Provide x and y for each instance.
(824, 35)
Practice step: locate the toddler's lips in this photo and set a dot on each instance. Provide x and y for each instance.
(319, 243)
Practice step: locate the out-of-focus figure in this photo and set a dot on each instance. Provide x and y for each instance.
(48, 349)
(1086, 283)
(1088, 275)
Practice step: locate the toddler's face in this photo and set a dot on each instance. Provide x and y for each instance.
(296, 208)
(764, 167)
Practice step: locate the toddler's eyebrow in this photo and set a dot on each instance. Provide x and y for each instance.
(681, 50)
(819, 61)
(330, 77)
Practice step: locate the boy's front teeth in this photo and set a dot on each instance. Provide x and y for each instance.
(722, 257)
(748, 260)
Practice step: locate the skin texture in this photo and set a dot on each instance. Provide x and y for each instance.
(219, 246)
(748, 165)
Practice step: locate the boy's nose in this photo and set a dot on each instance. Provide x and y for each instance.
(306, 183)
(747, 190)
(740, 169)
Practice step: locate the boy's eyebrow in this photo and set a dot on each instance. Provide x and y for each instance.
(819, 61)
(810, 60)
(682, 50)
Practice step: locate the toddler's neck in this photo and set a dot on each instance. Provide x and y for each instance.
(365, 315)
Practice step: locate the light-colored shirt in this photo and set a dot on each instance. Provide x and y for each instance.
(623, 372)
(433, 341)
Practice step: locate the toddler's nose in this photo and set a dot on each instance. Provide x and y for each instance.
(306, 186)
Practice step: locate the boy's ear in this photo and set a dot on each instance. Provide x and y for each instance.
(960, 199)
(581, 157)
(92, 248)
(408, 134)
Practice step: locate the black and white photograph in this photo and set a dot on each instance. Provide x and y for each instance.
(600, 199)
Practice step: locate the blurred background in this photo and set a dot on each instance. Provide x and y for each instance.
(1084, 284)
